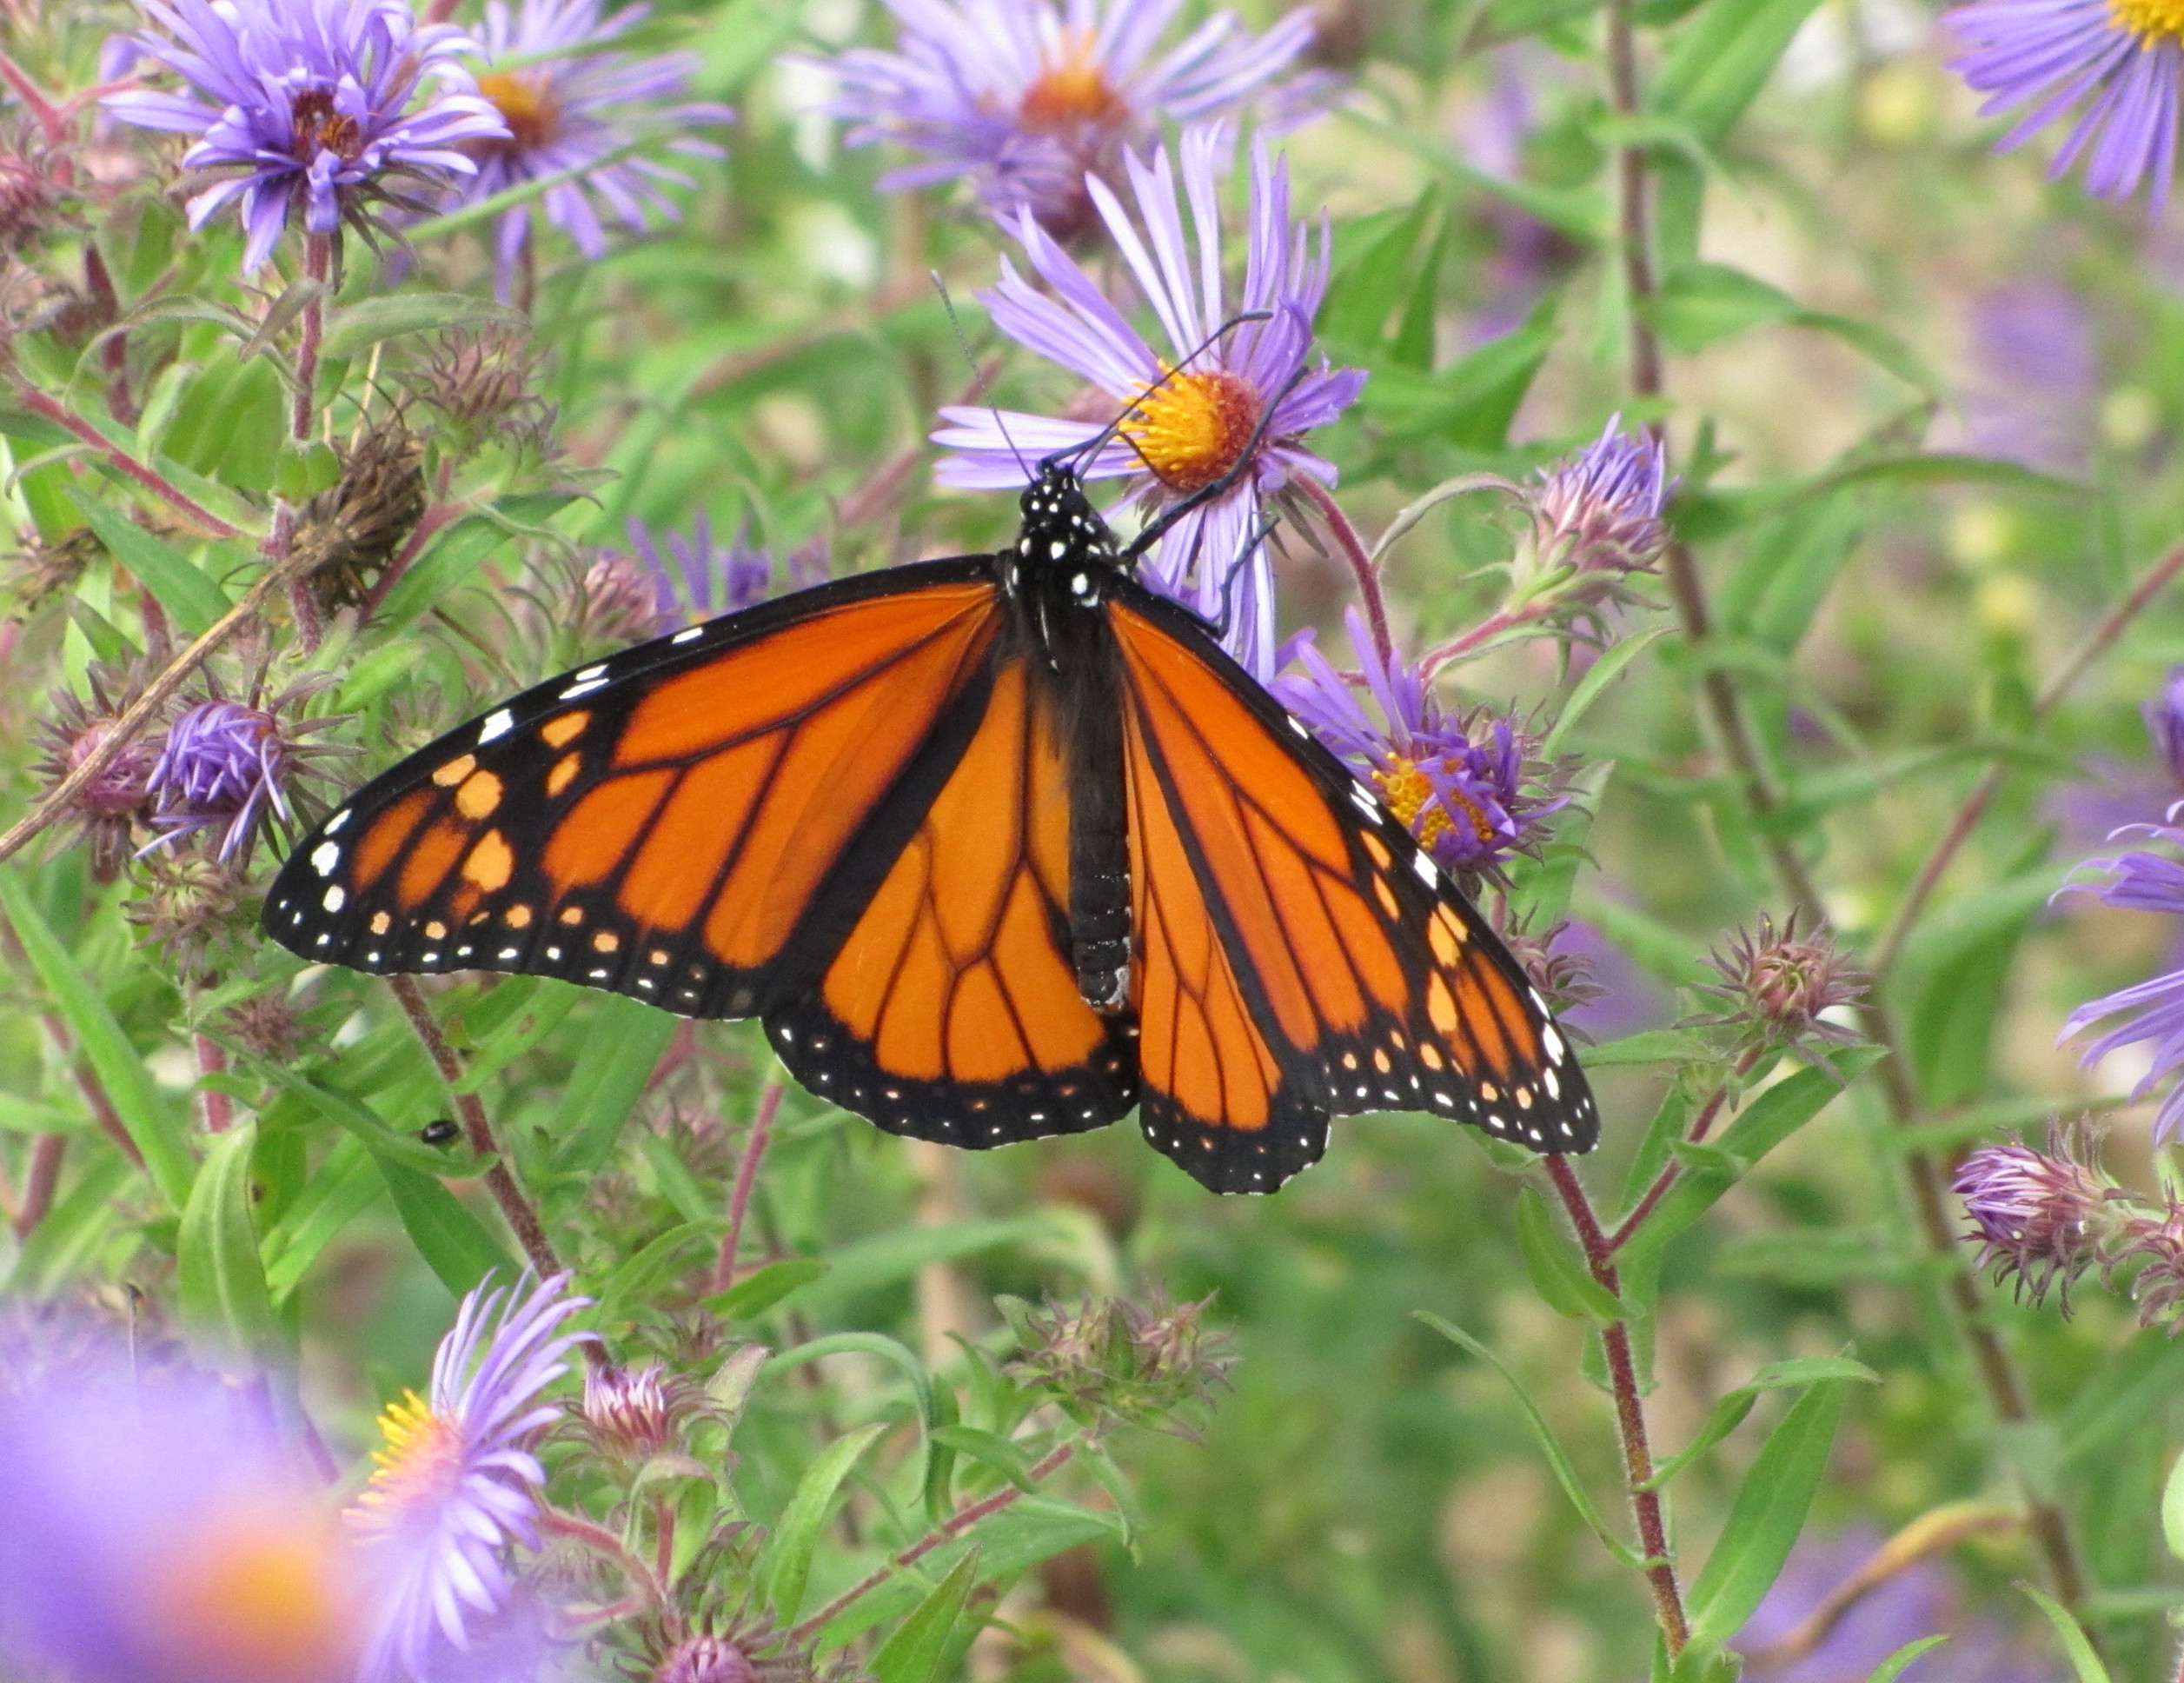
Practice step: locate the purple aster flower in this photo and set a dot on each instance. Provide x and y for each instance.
(2034, 375)
(2165, 722)
(155, 1534)
(2122, 59)
(1471, 789)
(569, 110)
(309, 108)
(2152, 1011)
(2037, 1216)
(457, 1484)
(1599, 511)
(1183, 427)
(225, 765)
(1025, 98)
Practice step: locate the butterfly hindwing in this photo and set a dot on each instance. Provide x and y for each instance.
(668, 823)
(952, 1010)
(1366, 980)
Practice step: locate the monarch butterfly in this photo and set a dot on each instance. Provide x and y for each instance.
(998, 847)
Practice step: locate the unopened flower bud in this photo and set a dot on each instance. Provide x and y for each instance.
(2165, 722)
(1600, 510)
(107, 812)
(2038, 1217)
(1777, 983)
(631, 1413)
(1115, 1359)
(705, 1659)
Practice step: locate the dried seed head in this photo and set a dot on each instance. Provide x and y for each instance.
(480, 382)
(110, 810)
(46, 570)
(2038, 1217)
(354, 529)
(1564, 980)
(30, 199)
(193, 906)
(2157, 1241)
(270, 1026)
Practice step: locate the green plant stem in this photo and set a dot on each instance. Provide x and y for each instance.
(947, 1532)
(1722, 707)
(1710, 1113)
(516, 1208)
(1630, 1425)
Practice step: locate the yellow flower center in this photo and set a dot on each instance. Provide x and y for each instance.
(418, 1469)
(1192, 428)
(262, 1594)
(1070, 89)
(2150, 20)
(526, 105)
(1411, 796)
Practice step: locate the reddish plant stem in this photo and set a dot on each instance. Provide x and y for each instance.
(1631, 1427)
(947, 1532)
(114, 354)
(516, 1208)
(1353, 551)
(1483, 633)
(52, 120)
(2157, 578)
(218, 1108)
(45, 1175)
(440, 515)
(604, 1542)
(319, 255)
(746, 1176)
(1701, 1126)
(204, 519)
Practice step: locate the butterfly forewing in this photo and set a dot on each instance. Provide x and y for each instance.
(667, 823)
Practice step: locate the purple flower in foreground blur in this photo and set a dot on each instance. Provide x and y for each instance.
(1599, 511)
(457, 1483)
(2036, 1216)
(1471, 789)
(2033, 374)
(1025, 98)
(2165, 722)
(573, 111)
(2122, 57)
(1181, 431)
(155, 1535)
(2153, 1010)
(309, 104)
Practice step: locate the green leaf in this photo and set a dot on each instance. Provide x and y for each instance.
(637, 1274)
(528, 1028)
(1648, 1046)
(1004, 1455)
(62, 1246)
(1716, 65)
(1897, 1663)
(149, 1119)
(2083, 1661)
(1655, 947)
(180, 587)
(889, 1259)
(356, 328)
(1765, 1123)
(2172, 1509)
(1364, 292)
(759, 1290)
(1565, 1473)
(1590, 688)
(1702, 303)
(1559, 1273)
(1728, 1414)
(1947, 984)
(455, 551)
(359, 1119)
(1472, 402)
(614, 1066)
(341, 1189)
(1767, 1515)
(219, 1282)
(452, 1241)
(913, 1653)
(870, 1344)
(788, 1565)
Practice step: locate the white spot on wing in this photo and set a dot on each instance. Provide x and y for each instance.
(691, 636)
(334, 823)
(324, 857)
(1428, 872)
(583, 689)
(496, 725)
(334, 898)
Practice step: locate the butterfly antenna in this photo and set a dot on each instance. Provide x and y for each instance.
(978, 374)
(1218, 488)
(1131, 407)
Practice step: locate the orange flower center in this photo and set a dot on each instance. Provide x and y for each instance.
(418, 1469)
(526, 105)
(262, 1594)
(1071, 90)
(1192, 428)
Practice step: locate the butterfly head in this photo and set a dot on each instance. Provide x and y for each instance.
(1061, 529)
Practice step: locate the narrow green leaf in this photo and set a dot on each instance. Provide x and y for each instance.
(913, 1653)
(453, 1242)
(62, 1245)
(637, 1274)
(359, 1119)
(788, 1565)
(2083, 1660)
(1558, 1273)
(613, 1066)
(871, 1344)
(1728, 1414)
(528, 1029)
(356, 328)
(1716, 65)
(454, 552)
(1590, 688)
(889, 1259)
(759, 1290)
(1896, 1664)
(2172, 1509)
(1767, 1515)
(181, 588)
(1004, 1455)
(1650, 1046)
(1559, 1463)
(1702, 303)
(220, 1281)
(149, 1120)
(341, 1189)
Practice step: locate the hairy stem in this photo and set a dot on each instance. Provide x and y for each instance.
(746, 1176)
(1631, 1427)
(41, 403)
(319, 258)
(1354, 552)
(218, 1108)
(947, 1532)
(516, 1207)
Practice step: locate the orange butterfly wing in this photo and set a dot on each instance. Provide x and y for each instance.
(682, 822)
(952, 1011)
(1299, 955)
